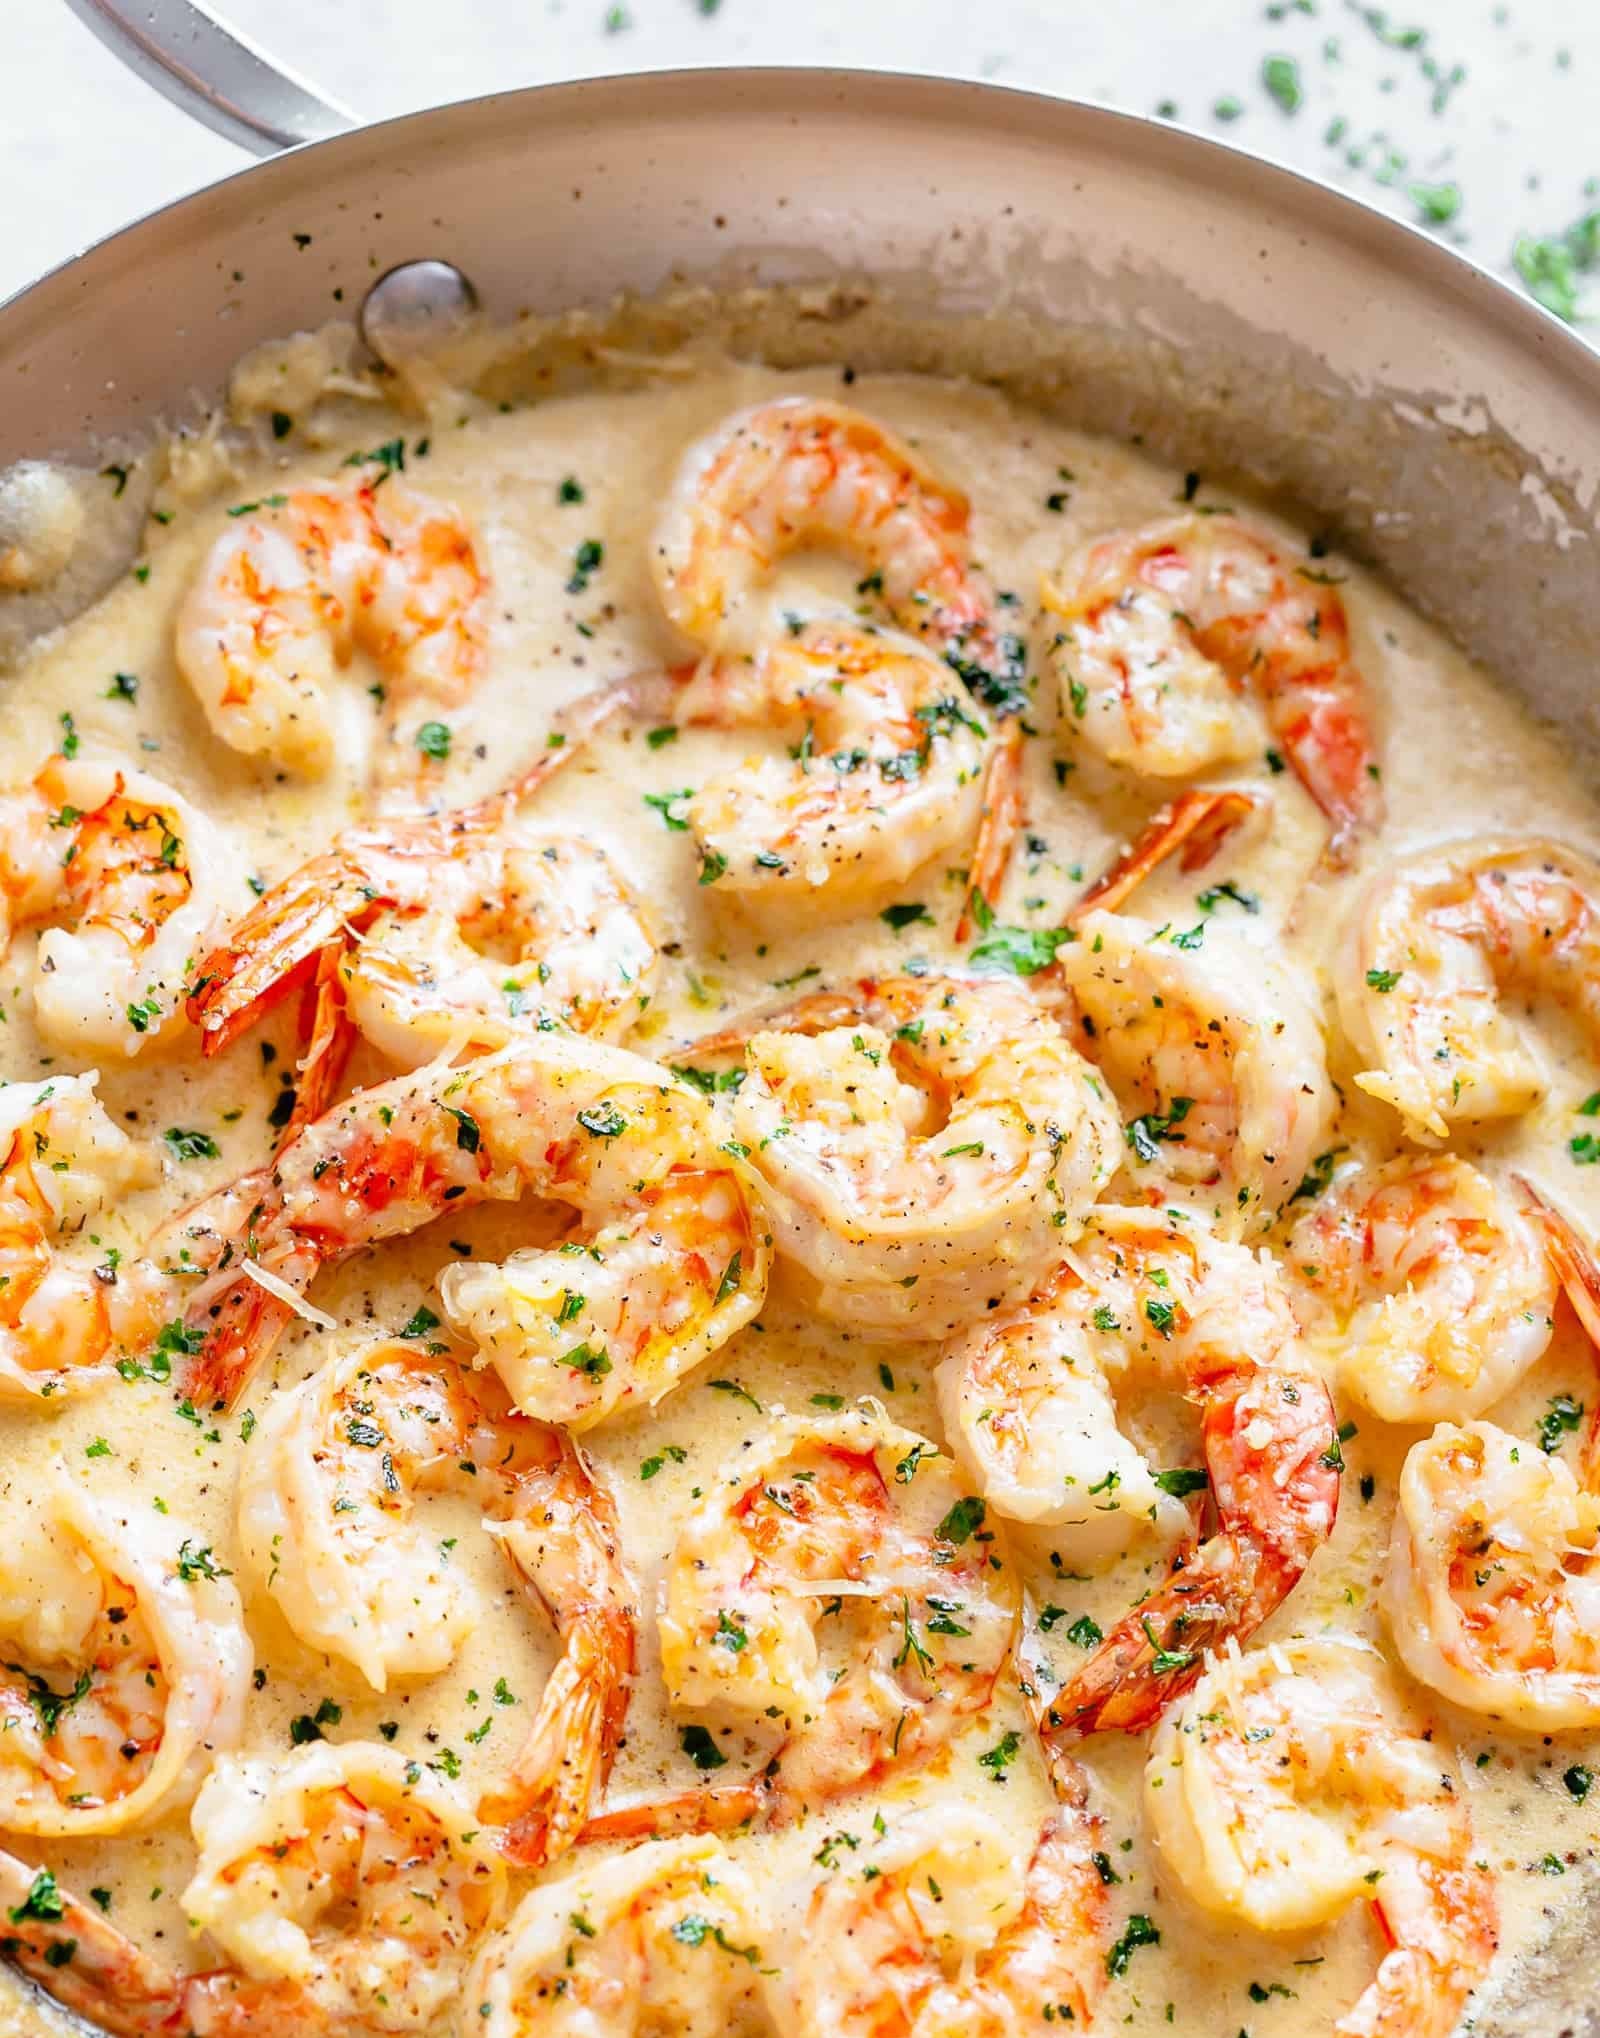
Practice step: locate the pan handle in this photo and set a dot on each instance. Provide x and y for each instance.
(220, 77)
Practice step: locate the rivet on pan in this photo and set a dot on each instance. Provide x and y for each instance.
(415, 308)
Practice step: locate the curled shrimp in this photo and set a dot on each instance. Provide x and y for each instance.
(287, 593)
(133, 881)
(1436, 943)
(1216, 1052)
(127, 1665)
(1160, 633)
(667, 1937)
(837, 1589)
(1220, 1315)
(934, 1933)
(325, 1501)
(927, 1145)
(1294, 1782)
(886, 768)
(465, 928)
(1433, 1292)
(64, 1326)
(1492, 1588)
(668, 1260)
(802, 472)
(1026, 1395)
(345, 1888)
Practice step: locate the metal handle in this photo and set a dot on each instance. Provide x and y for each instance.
(220, 77)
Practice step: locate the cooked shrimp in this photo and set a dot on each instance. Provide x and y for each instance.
(134, 1664)
(345, 1887)
(467, 928)
(667, 1938)
(886, 768)
(668, 1261)
(1436, 943)
(1026, 1396)
(1493, 1583)
(934, 1933)
(1271, 1451)
(1292, 1783)
(347, 1879)
(928, 1144)
(139, 881)
(1215, 1047)
(63, 1327)
(1163, 630)
(837, 1588)
(801, 472)
(288, 592)
(325, 1501)
(1432, 1291)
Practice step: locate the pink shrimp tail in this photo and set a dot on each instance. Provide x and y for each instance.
(1276, 1500)
(1193, 827)
(718, 1810)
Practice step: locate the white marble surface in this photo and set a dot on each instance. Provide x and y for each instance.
(84, 148)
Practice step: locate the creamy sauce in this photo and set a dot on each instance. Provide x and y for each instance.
(1457, 753)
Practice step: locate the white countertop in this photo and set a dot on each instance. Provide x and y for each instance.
(1496, 99)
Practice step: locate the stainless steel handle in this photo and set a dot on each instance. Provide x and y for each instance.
(221, 78)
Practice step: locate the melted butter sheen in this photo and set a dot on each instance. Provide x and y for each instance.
(1456, 750)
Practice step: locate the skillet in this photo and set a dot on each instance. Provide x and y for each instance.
(1132, 278)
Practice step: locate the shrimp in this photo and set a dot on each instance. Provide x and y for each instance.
(1161, 632)
(1294, 1782)
(1433, 1292)
(287, 593)
(1026, 1396)
(668, 1261)
(467, 928)
(800, 472)
(324, 1505)
(1492, 1588)
(345, 1887)
(927, 1145)
(936, 1934)
(63, 1327)
(138, 879)
(886, 769)
(1217, 1046)
(842, 1532)
(1435, 944)
(144, 1631)
(664, 1938)
(1220, 1314)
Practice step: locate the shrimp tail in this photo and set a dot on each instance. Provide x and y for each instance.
(577, 1574)
(83, 1963)
(274, 950)
(719, 1810)
(1156, 1652)
(1194, 827)
(998, 826)
(330, 1037)
(542, 1806)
